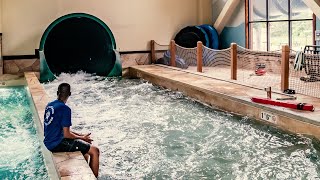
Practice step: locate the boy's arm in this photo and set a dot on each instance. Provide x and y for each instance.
(71, 135)
(76, 133)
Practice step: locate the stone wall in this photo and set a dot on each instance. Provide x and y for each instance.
(33, 65)
(20, 66)
(135, 59)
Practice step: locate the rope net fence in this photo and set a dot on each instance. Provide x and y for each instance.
(216, 63)
(216, 58)
(189, 55)
(304, 74)
(259, 68)
(160, 49)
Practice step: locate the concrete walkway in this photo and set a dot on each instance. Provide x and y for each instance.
(232, 97)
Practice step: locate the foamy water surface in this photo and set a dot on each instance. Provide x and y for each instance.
(20, 153)
(148, 132)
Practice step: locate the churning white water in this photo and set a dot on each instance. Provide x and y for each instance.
(20, 152)
(148, 132)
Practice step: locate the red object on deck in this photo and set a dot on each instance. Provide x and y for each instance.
(260, 72)
(292, 105)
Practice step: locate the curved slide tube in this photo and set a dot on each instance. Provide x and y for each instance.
(190, 35)
(46, 74)
(78, 42)
(212, 34)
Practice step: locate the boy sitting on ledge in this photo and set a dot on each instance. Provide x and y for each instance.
(57, 134)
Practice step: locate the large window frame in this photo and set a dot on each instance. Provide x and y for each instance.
(249, 22)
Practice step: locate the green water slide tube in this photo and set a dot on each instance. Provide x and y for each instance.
(78, 42)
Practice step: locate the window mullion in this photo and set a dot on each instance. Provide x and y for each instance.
(289, 25)
(268, 25)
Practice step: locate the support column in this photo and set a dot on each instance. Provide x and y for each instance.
(153, 52)
(285, 67)
(234, 61)
(1, 59)
(173, 53)
(199, 56)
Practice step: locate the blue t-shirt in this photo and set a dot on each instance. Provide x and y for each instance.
(56, 116)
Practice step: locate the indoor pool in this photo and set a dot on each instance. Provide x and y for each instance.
(146, 132)
(20, 151)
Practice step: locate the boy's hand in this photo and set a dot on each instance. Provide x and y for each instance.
(87, 138)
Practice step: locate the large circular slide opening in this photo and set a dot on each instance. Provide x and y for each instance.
(77, 42)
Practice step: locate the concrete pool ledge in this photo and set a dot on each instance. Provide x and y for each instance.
(12, 80)
(232, 97)
(69, 165)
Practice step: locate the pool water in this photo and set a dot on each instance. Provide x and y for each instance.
(20, 154)
(146, 132)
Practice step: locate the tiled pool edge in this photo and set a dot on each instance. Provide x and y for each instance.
(69, 165)
(287, 122)
(48, 159)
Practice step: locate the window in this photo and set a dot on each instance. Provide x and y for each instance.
(273, 23)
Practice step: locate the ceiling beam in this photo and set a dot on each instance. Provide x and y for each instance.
(314, 5)
(225, 14)
(317, 1)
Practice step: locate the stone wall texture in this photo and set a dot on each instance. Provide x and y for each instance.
(135, 59)
(33, 65)
(20, 66)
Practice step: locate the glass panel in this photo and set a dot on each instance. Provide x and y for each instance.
(302, 32)
(258, 36)
(278, 35)
(278, 9)
(258, 10)
(299, 10)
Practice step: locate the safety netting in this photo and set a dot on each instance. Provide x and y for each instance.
(304, 75)
(189, 55)
(160, 49)
(216, 58)
(216, 63)
(260, 69)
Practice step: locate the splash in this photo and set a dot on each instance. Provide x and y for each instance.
(149, 132)
(21, 157)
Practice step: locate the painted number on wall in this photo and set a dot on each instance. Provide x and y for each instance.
(268, 117)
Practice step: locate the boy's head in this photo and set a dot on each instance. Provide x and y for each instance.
(64, 91)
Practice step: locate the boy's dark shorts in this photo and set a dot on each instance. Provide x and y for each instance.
(72, 145)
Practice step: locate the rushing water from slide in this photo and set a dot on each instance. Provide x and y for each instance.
(144, 131)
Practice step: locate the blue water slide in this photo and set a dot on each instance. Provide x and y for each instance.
(190, 35)
(212, 35)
